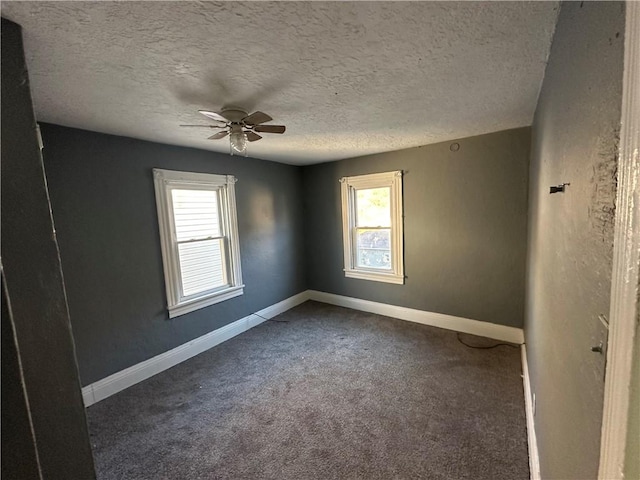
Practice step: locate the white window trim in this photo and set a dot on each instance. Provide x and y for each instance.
(376, 180)
(176, 304)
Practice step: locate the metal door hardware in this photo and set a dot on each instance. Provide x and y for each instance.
(558, 188)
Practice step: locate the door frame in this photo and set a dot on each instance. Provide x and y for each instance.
(623, 313)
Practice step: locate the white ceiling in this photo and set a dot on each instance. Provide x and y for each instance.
(346, 78)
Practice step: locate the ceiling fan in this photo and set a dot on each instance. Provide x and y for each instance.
(240, 126)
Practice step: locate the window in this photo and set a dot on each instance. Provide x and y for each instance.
(372, 227)
(199, 237)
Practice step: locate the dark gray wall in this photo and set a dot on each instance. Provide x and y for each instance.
(575, 139)
(465, 227)
(104, 207)
(44, 430)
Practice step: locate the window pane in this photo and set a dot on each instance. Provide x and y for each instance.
(373, 248)
(196, 214)
(202, 266)
(373, 207)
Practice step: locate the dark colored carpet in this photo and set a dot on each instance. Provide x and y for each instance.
(322, 393)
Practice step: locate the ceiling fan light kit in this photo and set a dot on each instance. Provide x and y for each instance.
(240, 127)
(237, 141)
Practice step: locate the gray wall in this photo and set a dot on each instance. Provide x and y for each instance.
(43, 418)
(465, 227)
(575, 136)
(104, 207)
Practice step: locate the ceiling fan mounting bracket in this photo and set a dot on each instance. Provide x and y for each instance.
(234, 114)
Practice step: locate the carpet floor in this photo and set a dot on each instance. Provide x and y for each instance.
(322, 392)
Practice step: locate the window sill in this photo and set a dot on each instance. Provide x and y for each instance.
(376, 277)
(198, 303)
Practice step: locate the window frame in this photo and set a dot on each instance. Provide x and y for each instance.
(349, 187)
(224, 185)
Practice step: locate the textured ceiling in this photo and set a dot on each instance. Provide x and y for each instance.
(346, 78)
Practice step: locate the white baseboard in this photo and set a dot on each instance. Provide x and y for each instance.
(534, 459)
(117, 382)
(458, 324)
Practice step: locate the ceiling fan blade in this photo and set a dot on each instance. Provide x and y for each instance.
(219, 135)
(270, 128)
(252, 136)
(214, 116)
(256, 117)
(204, 126)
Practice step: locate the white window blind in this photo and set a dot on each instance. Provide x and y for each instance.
(201, 266)
(199, 239)
(198, 230)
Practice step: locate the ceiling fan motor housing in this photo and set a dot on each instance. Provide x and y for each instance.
(235, 128)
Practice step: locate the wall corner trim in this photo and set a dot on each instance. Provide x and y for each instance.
(128, 377)
(440, 320)
(534, 459)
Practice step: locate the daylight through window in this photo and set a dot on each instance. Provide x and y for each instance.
(198, 232)
(372, 227)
